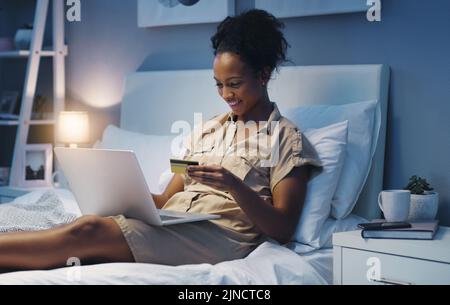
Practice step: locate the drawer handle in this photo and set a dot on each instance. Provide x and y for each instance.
(390, 282)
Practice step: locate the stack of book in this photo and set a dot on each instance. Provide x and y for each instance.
(418, 230)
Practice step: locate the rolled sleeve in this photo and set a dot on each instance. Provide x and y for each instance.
(295, 150)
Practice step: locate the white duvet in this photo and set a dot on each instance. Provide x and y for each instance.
(268, 264)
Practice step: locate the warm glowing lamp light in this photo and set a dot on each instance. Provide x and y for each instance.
(73, 128)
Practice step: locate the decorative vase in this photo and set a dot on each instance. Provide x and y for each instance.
(22, 40)
(424, 207)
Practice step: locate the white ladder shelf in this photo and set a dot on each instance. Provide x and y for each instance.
(34, 57)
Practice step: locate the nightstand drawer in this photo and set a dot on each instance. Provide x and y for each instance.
(358, 265)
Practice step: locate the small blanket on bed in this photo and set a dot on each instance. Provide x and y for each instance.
(45, 213)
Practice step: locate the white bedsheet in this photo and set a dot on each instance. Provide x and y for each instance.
(268, 264)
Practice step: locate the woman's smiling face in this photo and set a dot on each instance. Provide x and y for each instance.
(236, 83)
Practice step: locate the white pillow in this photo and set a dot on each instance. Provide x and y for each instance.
(331, 226)
(363, 128)
(152, 151)
(329, 143)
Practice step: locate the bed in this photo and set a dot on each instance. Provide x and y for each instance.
(179, 94)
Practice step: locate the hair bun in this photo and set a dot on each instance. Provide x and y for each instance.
(256, 36)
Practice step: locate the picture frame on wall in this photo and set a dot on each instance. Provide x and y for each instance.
(299, 8)
(152, 13)
(37, 166)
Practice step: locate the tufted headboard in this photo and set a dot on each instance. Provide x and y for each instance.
(154, 100)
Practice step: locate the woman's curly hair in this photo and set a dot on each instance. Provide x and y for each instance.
(256, 36)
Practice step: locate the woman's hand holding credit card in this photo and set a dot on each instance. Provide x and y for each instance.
(214, 176)
(179, 166)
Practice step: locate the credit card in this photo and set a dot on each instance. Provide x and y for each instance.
(180, 166)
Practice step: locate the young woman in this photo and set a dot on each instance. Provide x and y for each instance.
(256, 201)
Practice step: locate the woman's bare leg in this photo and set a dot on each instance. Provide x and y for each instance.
(91, 239)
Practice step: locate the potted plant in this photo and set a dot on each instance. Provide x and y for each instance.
(424, 202)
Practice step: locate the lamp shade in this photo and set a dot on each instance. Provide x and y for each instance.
(73, 127)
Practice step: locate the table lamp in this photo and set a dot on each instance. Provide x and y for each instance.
(73, 128)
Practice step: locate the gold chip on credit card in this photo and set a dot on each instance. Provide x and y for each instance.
(180, 166)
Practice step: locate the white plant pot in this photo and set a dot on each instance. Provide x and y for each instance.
(424, 207)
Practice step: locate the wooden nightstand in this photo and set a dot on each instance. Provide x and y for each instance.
(8, 194)
(391, 261)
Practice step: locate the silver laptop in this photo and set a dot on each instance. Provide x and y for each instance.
(110, 182)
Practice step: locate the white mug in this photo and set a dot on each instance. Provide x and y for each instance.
(395, 204)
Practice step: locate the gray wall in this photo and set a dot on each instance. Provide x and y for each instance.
(107, 44)
(413, 38)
